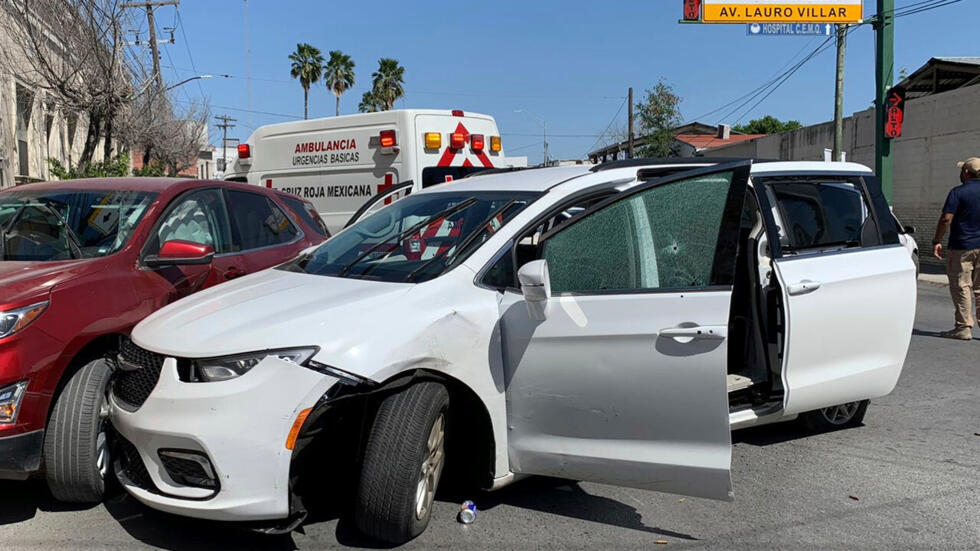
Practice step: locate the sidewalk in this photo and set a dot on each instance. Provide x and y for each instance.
(933, 274)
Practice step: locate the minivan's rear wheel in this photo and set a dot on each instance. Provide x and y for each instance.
(76, 451)
(835, 417)
(403, 461)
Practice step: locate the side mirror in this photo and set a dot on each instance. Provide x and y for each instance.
(536, 287)
(910, 230)
(181, 253)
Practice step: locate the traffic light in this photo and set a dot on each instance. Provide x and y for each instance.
(894, 112)
(692, 10)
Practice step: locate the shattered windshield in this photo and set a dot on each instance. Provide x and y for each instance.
(66, 224)
(415, 239)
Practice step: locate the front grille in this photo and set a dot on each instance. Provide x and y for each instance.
(133, 466)
(132, 387)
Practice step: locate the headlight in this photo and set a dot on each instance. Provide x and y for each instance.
(229, 367)
(12, 321)
(10, 397)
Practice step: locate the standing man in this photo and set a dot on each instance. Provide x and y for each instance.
(961, 215)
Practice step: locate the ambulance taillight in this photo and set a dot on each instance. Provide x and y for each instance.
(495, 144)
(476, 142)
(433, 140)
(244, 151)
(387, 138)
(457, 140)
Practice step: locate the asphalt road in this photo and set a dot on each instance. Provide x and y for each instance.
(908, 479)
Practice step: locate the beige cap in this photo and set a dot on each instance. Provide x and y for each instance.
(972, 165)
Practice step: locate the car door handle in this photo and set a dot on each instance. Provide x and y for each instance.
(233, 272)
(696, 332)
(803, 287)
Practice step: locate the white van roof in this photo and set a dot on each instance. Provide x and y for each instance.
(393, 116)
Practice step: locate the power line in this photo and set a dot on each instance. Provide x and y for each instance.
(608, 126)
(179, 22)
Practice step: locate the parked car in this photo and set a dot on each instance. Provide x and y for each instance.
(610, 324)
(81, 262)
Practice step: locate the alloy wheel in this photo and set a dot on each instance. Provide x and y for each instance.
(840, 414)
(431, 468)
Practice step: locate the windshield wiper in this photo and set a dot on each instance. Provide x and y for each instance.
(397, 238)
(477, 231)
(75, 244)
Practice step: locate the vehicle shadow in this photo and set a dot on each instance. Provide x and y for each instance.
(175, 532)
(777, 433)
(548, 495)
(22, 499)
(566, 498)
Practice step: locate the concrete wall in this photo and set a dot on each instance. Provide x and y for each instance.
(938, 131)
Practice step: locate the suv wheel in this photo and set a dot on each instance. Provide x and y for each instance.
(403, 462)
(76, 451)
(835, 417)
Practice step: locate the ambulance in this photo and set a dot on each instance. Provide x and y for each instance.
(340, 163)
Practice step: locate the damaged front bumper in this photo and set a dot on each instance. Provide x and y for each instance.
(216, 450)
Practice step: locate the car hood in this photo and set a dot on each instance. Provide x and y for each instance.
(369, 328)
(22, 282)
(270, 309)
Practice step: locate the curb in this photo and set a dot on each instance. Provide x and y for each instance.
(934, 279)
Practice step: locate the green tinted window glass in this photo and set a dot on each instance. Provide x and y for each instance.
(662, 238)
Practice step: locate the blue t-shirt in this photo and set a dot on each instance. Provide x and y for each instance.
(963, 202)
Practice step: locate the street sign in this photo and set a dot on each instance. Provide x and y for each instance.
(789, 29)
(782, 11)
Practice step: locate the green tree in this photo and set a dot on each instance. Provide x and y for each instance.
(338, 73)
(389, 82)
(767, 125)
(370, 104)
(113, 167)
(307, 66)
(657, 116)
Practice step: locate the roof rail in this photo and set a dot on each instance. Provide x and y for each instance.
(653, 161)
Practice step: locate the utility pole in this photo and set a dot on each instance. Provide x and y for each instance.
(629, 151)
(224, 126)
(884, 70)
(154, 47)
(839, 95)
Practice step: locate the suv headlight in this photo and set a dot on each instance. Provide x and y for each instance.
(229, 367)
(10, 398)
(12, 321)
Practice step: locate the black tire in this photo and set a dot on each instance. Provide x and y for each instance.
(398, 444)
(76, 430)
(835, 417)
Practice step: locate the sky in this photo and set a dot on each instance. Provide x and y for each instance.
(566, 65)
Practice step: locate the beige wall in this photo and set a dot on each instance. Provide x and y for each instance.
(40, 143)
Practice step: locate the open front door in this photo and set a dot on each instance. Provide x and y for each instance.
(623, 382)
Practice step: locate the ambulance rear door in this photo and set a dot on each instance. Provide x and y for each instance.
(472, 149)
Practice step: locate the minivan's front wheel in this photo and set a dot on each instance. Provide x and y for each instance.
(403, 461)
(835, 417)
(76, 454)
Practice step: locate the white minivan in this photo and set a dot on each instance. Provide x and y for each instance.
(610, 323)
(339, 163)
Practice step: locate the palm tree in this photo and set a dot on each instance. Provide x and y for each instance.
(339, 74)
(370, 104)
(307, 66)
(389, 82)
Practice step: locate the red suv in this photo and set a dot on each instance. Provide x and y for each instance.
(81, 262)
